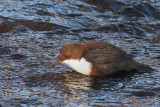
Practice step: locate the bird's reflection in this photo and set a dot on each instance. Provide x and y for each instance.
(69, 80)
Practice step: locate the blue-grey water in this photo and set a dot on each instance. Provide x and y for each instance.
(33, 32)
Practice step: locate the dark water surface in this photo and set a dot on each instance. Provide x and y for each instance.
(33, 32)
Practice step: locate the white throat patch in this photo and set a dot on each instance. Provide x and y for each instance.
(81, 66)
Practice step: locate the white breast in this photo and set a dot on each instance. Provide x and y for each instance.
(81, 66)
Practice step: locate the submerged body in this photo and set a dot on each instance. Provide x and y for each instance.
(97, 58)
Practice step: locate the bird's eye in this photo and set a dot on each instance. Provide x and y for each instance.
(67, 56)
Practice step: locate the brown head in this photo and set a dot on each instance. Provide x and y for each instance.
(70, 51)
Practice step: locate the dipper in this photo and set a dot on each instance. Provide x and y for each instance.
(97, 58)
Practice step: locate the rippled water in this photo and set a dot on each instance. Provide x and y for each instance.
(33, 32)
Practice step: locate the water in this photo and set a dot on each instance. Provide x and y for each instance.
(33, 32)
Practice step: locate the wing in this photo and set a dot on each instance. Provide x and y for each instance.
(105, 53)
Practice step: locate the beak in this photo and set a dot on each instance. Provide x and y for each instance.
(56, 63)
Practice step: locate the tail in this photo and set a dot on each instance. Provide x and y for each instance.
(141, 68)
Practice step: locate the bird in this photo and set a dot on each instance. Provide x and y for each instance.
(95, 58)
